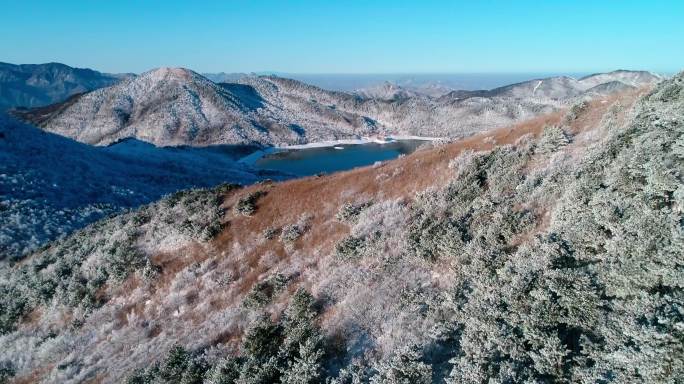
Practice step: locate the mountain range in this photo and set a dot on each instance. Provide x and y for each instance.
(175, 106)
(34, 85)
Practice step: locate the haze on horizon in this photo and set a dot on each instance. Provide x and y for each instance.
(347, 37)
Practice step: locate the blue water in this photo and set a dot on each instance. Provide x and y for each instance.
(313, 161)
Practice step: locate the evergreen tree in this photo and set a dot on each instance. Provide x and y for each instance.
(306, 368)
(225, 371)
(553, 138)
(405, 367)
(302, 346)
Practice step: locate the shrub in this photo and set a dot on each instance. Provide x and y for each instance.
(179, 366)
(350, 212)
(355, 373)
(123, 258)
(576, 110)
(13, 306)
(225, 371)
(404, 367)
(306, 367)
(246, 205)
(289, 351)
(7, 371)
(150, 271)
(290, 233)
(350, 248)
(270, 233)
(141, 218)
(211, 230)
(262, 339)
(670, 92)
(263, 292)
(302, 346)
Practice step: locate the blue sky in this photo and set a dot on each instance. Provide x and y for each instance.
(346, 36)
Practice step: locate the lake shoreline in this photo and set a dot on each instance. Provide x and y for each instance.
(256, 155)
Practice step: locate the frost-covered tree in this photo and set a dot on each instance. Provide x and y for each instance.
(357, 372)
(404, 367)
(302, 345)
(305, 368)
(6, 371)
(552, 138)
(224, 371)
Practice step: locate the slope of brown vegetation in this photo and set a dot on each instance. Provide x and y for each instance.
(320, 197)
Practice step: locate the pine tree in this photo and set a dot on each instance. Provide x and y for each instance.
(553, 138)
(225, 371)
(355, 373)
(306, 368)
(405, 367)
(302, 346)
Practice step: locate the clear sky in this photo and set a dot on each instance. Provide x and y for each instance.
(346, 36)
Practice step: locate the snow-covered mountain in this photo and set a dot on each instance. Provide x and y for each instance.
(633, 78)
(386, 91)
(51, 185)
(165, 106)
(34, 85)
(565, 87)
(172, 106)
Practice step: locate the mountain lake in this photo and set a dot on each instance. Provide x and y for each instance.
(316, 160)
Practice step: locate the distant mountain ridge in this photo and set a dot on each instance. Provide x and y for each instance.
(176, 106)
(562, 87)
(223, 77)
(550, 87)
(34, 85)
(386, 91)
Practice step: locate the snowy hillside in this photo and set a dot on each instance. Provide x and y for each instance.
(633, 78)
(51, 185)
(564, 87)
(386, 91)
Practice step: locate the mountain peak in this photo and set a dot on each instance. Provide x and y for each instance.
(171, 72)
